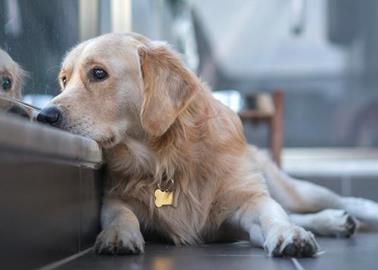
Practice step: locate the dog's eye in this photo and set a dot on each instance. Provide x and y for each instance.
(64, 81)
(6, 83)
(98, 74)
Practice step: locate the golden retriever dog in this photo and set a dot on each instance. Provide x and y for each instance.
(178, 163)
(11, 78)
(11, 83)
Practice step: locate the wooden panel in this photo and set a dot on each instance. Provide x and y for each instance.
(48, 207)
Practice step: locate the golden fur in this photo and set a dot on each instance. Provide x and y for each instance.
(191, 138)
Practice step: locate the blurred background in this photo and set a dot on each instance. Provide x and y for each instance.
(323, 55)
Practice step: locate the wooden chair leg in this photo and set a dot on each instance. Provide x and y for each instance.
(276, 127)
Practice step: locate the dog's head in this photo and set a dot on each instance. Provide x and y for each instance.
(120, 84)
(11, 76)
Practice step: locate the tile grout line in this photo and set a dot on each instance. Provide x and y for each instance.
(59, 263)
(297, 265)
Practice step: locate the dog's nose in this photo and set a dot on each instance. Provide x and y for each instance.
(49, 115)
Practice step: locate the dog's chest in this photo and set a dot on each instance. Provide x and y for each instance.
(182, 223)
(181, 217)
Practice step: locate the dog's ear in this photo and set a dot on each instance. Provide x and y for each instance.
(19, 79)
(168, 88)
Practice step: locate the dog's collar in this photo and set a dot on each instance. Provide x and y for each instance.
(167, 184)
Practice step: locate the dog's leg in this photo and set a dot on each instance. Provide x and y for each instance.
(300, 196)
(294, 195)
(268, 225)
(121, 233)
(365, 211)
(329, 222)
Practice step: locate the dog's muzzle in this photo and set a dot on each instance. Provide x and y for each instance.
(50, 115)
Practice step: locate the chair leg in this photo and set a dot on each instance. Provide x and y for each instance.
(276, 127)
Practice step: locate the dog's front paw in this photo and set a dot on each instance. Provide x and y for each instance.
(292, 241)
(115, 240)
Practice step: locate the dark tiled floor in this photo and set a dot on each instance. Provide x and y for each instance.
(359, 252)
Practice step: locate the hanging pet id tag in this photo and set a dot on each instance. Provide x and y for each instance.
(164, 196)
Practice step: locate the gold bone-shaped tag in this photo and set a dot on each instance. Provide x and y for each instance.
(163, 198)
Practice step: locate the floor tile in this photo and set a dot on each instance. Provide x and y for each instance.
(166, 257)
(357, 253)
